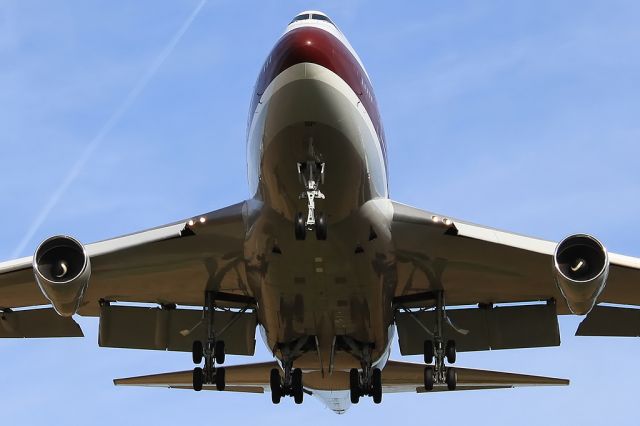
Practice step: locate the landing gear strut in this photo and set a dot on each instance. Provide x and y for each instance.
(439, 373)
(311, 175)
(212, 351)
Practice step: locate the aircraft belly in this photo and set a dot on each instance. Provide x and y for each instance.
(323, 289)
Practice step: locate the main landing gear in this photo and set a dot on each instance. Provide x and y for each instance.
(212, 351)
(367, 382)
(290, 385)
(311, 175)
(363, 384)
(439, 373)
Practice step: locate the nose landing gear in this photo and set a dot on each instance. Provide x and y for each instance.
(311, 175)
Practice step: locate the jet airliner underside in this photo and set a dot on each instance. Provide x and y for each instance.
(322, 263)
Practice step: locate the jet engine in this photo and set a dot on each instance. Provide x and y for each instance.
(62, 269)
(581, 267)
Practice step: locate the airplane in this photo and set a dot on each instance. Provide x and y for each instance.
(322, 263)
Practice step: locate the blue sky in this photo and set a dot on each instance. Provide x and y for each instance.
(518, 115)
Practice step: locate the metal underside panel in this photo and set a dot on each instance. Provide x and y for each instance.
(483, 329)
(173, 329)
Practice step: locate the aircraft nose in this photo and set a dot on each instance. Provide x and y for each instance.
(308, 45)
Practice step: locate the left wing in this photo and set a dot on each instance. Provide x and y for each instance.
(476, 265)
(480, 265)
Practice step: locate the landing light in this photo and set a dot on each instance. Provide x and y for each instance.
(447, 221)
(435, 219)
(203, 220)
(191, 222)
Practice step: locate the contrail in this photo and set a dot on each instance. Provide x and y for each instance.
(104, 131)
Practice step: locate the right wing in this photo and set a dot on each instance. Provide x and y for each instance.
(171, 264)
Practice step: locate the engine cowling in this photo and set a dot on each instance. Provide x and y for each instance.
(62, 269)
(581, 266)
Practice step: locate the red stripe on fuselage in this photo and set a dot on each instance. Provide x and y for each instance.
(314, 45)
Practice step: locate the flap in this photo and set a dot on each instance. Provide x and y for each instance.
(164, 329)
(37, 323)
(503, 327)
(611, 321)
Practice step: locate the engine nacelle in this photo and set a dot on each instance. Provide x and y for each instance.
(581, 266)
(62, 269)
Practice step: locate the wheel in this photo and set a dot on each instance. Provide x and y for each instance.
(276, 387)
(300, 227)
(219, 351)
(450, 351)
(198, 377)
(428, 352)
(220, 382)
(452, 378)
(321, 227)
(354, 385)
(296, 386)
(376, 385)
(428, 378)
(197, 351)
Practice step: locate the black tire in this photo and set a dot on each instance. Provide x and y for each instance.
(219, 352)
(428, 378)
(296, 386)
(450, 351)
(452, 378)
(321, 227)
(220, 379)
(300, 227)
(276, 386)
(198, 378)
(354, 385)
(376, 385)
(429, 352)
(197, 351)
